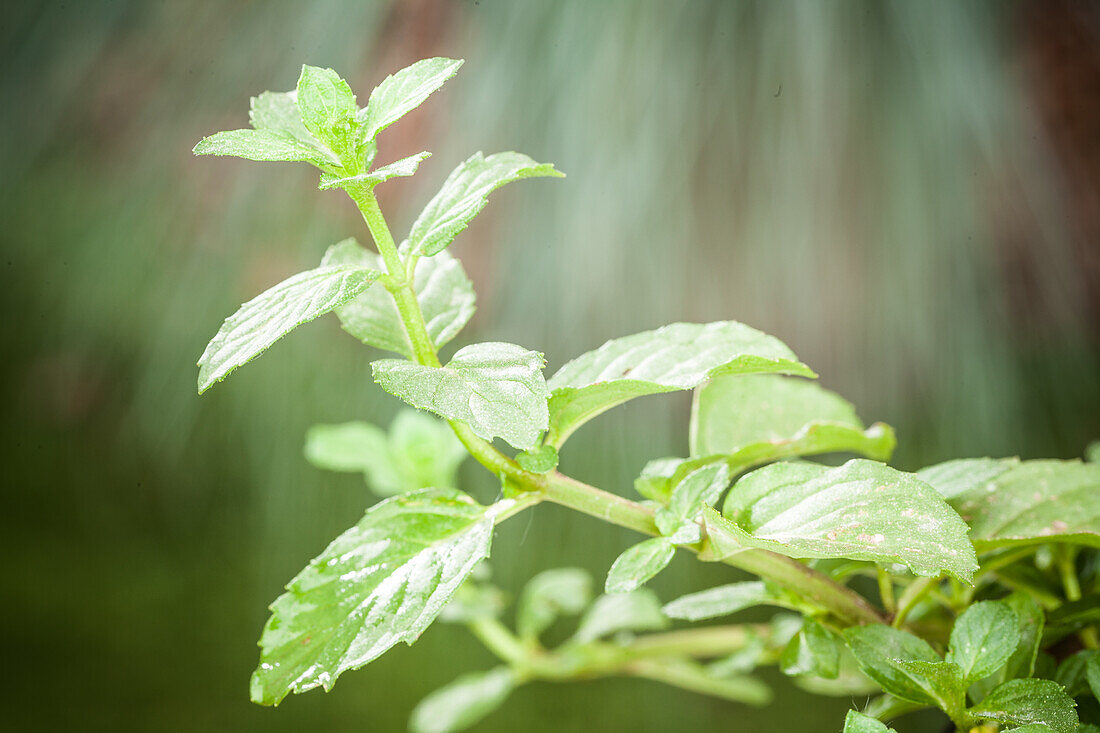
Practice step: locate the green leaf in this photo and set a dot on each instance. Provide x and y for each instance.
(1092, 452)
(730, 412)
(1024, 702)
(942, 681)
(859, 723)
(1029, 632)
(465, 193)
(445, 294)
(1092, 674)
(381, 582)
(699, 489)
(723, 600)
(400, 93)
(495, 388)
(957, 477)
(420, 451)
(278, 112)
(463, 702)
(1037, 728)
(404, 167)
(552, 593)
(676, 357)
(542, 459)
(861, 510)
(880, 651)
(633, 569)
(264, 145)
(329, 110)
(655, 480)
(636, 611)
(1072, 673)
(815, 651)
(268, 317)
(1035, 502)
(983, 639)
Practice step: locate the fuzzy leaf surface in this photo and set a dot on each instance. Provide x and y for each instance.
(880, 651)
(635, 566)
(462, 703)
(1035, 502)
(264, 145)
(957, 477)
(861, 510)
(445, 294)
(675, 357)
(465, 193)
(400, 93)
(495, 388)
(328, 110)
(983, 639)
(699, 489)
(379, 583)
(404, 167)
(271, 315)
(1027, 702)
(855, 722)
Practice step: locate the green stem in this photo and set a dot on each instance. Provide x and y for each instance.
(1067, 568)
(499, 640)
(886, 589)
(838, 599)
(691, 677)
(841, 601)
(709, 641)
(911, 596)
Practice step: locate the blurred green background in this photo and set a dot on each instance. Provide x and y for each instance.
(906, 193)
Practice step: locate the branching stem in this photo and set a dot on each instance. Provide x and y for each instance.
(839, 600)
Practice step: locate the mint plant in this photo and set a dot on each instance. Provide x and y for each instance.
(970, 587)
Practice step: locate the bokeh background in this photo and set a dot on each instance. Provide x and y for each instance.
(906, 193)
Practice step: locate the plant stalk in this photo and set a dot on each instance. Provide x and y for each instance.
(841, 601)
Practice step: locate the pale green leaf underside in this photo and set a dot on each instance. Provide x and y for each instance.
(635, 566)
(862, 510)
(638, 610)
(1031, 701)
(550, 594)
(859, 723)
(445, 294)
(419, 451)
(381, 582)
(731, 412)
(983, 639)
(403, 167)
(676, 357)
(876, 442)
(463, 702)
(1034, 502)
(723, 600)
(278, 111)
(264, 145)
(400, 93)
(269, 316)
(960, 476)
(465, 193)
(495, 388)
